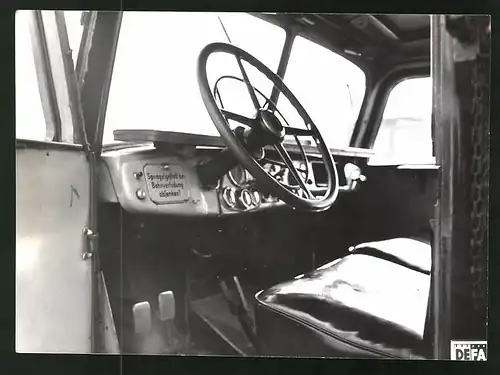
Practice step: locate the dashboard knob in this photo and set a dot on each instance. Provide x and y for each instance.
(244, 198)
(141, 194)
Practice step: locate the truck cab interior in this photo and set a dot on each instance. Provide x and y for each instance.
(263, 184)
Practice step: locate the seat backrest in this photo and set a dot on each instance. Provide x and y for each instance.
(412, 253)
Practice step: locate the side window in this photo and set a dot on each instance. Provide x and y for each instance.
(30, 120)
(33, 117)
(405, 134)
(74, 28)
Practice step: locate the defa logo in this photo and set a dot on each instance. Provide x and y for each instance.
(469, 350)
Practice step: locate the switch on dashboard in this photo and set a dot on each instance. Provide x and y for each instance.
(353, 177)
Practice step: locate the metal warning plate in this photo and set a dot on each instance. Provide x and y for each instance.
(166, 183)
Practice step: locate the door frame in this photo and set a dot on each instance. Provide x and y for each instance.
(69, 120)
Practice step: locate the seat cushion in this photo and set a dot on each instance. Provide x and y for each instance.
(356, 306)
(412, 253)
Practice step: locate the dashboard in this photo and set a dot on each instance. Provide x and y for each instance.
(160, 177)
(239, 190)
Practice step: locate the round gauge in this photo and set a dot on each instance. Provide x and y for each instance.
(229, 196)
(256, 198)
(245, 198)
(238, 176)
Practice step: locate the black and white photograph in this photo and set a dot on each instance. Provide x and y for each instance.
(229, 184)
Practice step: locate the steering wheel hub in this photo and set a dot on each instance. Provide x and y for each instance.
(271, 126)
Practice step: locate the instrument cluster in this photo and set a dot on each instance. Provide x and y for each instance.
(241, 193)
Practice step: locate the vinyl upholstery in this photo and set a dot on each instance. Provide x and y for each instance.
(359, 305)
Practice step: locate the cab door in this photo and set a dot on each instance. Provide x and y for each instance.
(53, 269)
(400, 192)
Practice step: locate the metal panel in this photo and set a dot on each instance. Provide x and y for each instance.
(121, 166)
(446, 115)
(461, 107)
(111, 345)
(53, 288)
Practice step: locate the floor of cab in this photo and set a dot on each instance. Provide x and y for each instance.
(213, 331)
(215, 313)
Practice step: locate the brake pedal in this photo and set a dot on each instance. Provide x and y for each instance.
(148, 339)
(166, 301)
(142, 317)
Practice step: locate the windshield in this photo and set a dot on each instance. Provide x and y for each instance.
(154, 83)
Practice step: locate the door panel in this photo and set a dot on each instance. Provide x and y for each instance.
(53, 285)
(394, 202)
(391, 203)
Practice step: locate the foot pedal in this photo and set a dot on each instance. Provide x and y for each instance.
(173, 339)
(148, 340)
(166, 302)
(142, 318)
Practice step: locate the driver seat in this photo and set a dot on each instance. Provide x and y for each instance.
(372, 303)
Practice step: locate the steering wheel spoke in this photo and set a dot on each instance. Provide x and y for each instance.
(238, 118)
(291, 167)
(298, 132)
(250, 88)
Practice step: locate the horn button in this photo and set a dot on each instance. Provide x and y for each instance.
(271, 125)
(268, 131)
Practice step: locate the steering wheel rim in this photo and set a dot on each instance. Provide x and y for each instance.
(240, 151)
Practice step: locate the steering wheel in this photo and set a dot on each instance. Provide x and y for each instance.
(265, 129)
